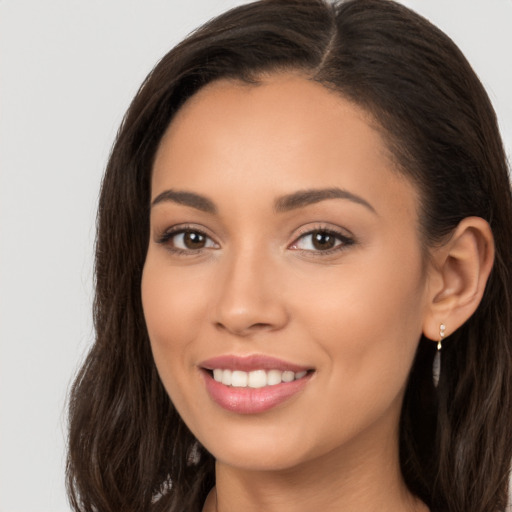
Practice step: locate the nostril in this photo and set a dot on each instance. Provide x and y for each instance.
(260, 326)
(244, 329)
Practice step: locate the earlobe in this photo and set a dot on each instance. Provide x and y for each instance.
(461, 268)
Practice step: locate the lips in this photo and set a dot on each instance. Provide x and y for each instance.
(252, 384)
(250, 363)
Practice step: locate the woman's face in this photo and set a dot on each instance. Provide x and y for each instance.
(284, 254)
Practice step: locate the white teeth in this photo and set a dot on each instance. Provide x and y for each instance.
(274, 377)
(255, 379)
(288, 376)
(226, 377)
(239, 379)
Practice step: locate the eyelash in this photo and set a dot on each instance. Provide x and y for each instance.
(167, 237)
(343, 240)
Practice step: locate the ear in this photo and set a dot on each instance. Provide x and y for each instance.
(457, 276)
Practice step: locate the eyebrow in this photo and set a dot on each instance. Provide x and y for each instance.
(303, 198)
(188, 199)
(283, 204)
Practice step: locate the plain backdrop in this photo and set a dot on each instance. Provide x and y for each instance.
(68, 69)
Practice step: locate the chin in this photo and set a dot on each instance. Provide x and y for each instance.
(267, 448)
(260, 460)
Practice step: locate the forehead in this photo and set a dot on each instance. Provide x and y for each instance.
(291, 106)
(285, 132)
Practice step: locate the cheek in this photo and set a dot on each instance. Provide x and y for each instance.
(172, 298)
(172, 309)
(368, 322)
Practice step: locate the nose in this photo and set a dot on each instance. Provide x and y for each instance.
(249, 299)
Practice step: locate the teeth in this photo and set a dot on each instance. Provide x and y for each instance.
(256, 378)
(274, 377)
(239, 379)
(288, 376)
(226, 377)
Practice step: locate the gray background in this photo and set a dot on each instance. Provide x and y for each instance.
(68, 70)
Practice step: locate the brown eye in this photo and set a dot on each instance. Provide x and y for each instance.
(194, 240)
(187, 240)
(322, 240)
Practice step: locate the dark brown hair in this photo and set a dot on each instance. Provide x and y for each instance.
(128, 448)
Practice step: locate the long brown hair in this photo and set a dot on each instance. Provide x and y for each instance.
(128, 448)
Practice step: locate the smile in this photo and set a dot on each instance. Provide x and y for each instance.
(255, 379)
(253, 384)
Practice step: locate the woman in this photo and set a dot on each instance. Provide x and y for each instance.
(302, 276)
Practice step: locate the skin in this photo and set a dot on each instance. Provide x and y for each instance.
(354, 314)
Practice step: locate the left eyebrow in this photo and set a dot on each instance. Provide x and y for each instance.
(303, 198)
(191, 199)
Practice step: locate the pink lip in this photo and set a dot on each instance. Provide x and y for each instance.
(250, 363)
(251, 400)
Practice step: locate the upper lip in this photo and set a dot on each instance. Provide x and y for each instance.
(251, 363)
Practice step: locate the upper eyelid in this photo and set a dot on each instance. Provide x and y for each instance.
(342, 238)
(312, 227)
(180, 228)
(328, 231)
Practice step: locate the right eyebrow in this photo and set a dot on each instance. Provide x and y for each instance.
(303, 198)
(191, 199)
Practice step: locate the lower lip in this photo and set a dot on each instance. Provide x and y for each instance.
(252, 400)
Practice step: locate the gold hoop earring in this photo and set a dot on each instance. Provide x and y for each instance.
(436, 367)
